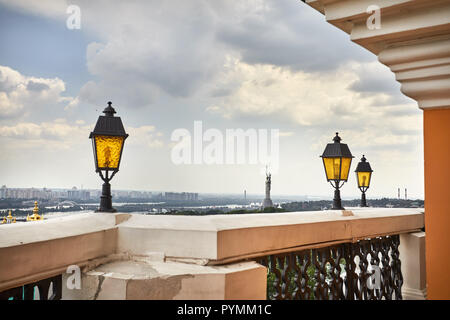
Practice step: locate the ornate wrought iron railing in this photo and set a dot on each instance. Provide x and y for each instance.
(46, 289)
(365, 270)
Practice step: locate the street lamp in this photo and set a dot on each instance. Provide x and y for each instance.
(363, 175)
(337, 159)
(108, 138)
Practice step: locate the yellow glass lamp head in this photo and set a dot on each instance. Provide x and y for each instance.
(108, 150)
(363, 174)
(337, 160)
(108, 139)
(363, 179)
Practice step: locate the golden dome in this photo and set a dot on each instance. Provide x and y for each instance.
(35, 216)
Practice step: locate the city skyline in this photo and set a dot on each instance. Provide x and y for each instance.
(400, 193)
(173, 64)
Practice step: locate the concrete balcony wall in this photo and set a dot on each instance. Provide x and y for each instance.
(179, 257)
(224, 238)
(37, 250)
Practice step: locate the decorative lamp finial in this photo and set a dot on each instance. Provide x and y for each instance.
(109, 110)
(337, 139)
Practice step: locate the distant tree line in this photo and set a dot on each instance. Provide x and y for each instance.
(179, 207)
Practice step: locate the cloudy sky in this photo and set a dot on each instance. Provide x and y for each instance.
(256, 64)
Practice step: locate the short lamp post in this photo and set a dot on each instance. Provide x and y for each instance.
(108, 139)
(337, 160)
(363, 175)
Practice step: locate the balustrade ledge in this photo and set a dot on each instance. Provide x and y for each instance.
(36, 249)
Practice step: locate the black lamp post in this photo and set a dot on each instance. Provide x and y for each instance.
(108, 138)
(363, 175)
(337, 159)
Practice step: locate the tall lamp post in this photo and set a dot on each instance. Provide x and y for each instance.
(108, 139)
(337, 159)
(363, 175)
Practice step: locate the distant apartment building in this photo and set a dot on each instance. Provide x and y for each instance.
(59, 194)
(182, 196)
(140, 194)
(43, 194)
(96, 194)
(76, 194)
(132, 194)
(120, 194)
(24, 193)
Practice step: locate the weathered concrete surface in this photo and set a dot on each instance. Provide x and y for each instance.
(138, 280)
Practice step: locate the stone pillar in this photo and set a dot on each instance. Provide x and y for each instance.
(437, 202)
(412, 256)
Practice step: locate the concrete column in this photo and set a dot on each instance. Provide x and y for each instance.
(437, 201)
(412, 256)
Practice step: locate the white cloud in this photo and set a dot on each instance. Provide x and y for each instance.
(73, 103)
(308, 99)
(266, 90)
(317, 101)
(149, 48)
(48, 8)
(145, 136)
(286, 133)
(54, 134)
(61, 134)
(20, 94)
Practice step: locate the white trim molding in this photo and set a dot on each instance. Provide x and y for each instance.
(413, 40)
